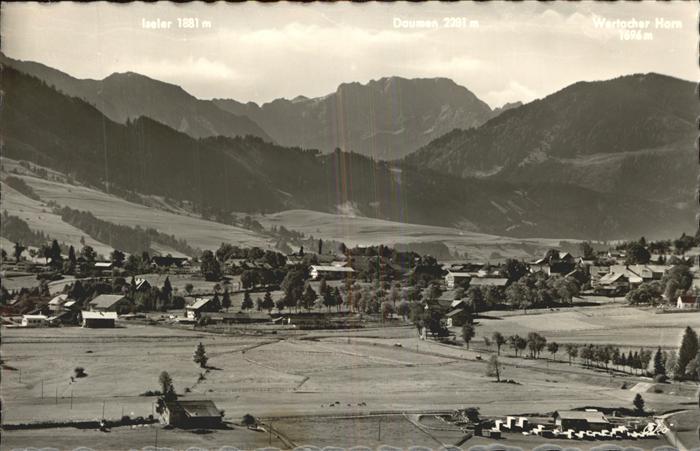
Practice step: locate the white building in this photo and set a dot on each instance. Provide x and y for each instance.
(330, 272)
(452, 279)
(34, 321)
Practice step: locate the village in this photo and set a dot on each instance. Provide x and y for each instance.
(370, 308)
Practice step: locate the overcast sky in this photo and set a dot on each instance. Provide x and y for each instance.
(260, 52)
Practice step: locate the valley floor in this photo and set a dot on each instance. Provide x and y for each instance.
(307, 384)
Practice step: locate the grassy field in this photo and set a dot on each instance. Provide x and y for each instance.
(368, 231)
(197, 232)
(39, 218)
(299, 379)
(615, 323)
(209, 235)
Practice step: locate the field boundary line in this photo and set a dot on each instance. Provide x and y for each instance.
(420, 428)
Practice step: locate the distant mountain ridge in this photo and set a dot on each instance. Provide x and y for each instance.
(126, 96)
(386, 118)
(218, 175)
(631, 135)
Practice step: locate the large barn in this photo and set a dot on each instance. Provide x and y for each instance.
(192, 414)
(99, 319)
(581, 420)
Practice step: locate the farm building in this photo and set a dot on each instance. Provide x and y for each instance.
(104, 266)
(191, 414)
(457, 317)
(110, 303)
(441, 305)
(141, 285)
(238, 317)
(168, 261)
(56, 304)
(330, 272)
(201, 305)
(554, 262)
(587, 420)
(579, 275)
(687, 303)
(103, 320)
(34, 320)
(67, 316)
(453, 279)
(488, 282)
(472, 268)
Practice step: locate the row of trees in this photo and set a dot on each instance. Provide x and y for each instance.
(685, 364)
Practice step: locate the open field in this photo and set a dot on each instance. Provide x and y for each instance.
(209, 235)
(40, 218)
(304, 376)
(363, 231)
(197, 232)
(618, 324)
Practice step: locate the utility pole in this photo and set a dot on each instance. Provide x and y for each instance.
(42, 389)
(57, 395)
(103, 410)
(270, 438)
(379, 430)
(71, 399)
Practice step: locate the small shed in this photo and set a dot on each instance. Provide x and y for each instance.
(98, 319)
(580, 420)
(191, 414)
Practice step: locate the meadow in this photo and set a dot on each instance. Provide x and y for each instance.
(299, 380)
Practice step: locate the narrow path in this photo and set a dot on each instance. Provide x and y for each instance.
(423, 430)
(289, 444)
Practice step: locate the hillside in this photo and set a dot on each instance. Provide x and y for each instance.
(631, 136)
(220, 175)
(126, 96)
(385, 119)
(197, 232)
(205, 234)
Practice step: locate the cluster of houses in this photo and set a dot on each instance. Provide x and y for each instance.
(589, 424)
(102, 312)
(612, 279)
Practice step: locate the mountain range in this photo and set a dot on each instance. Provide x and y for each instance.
(631, 136)
(385, 119)
(222, 174)
(127, 96)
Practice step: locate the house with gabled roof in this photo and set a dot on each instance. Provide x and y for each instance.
(488, 282)
(456, 278)
(580, 420)
(330, 272)
(56, 304)
(201, 305)
(554, 262)
(688, 302)
(110, 303)
(191, 414)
